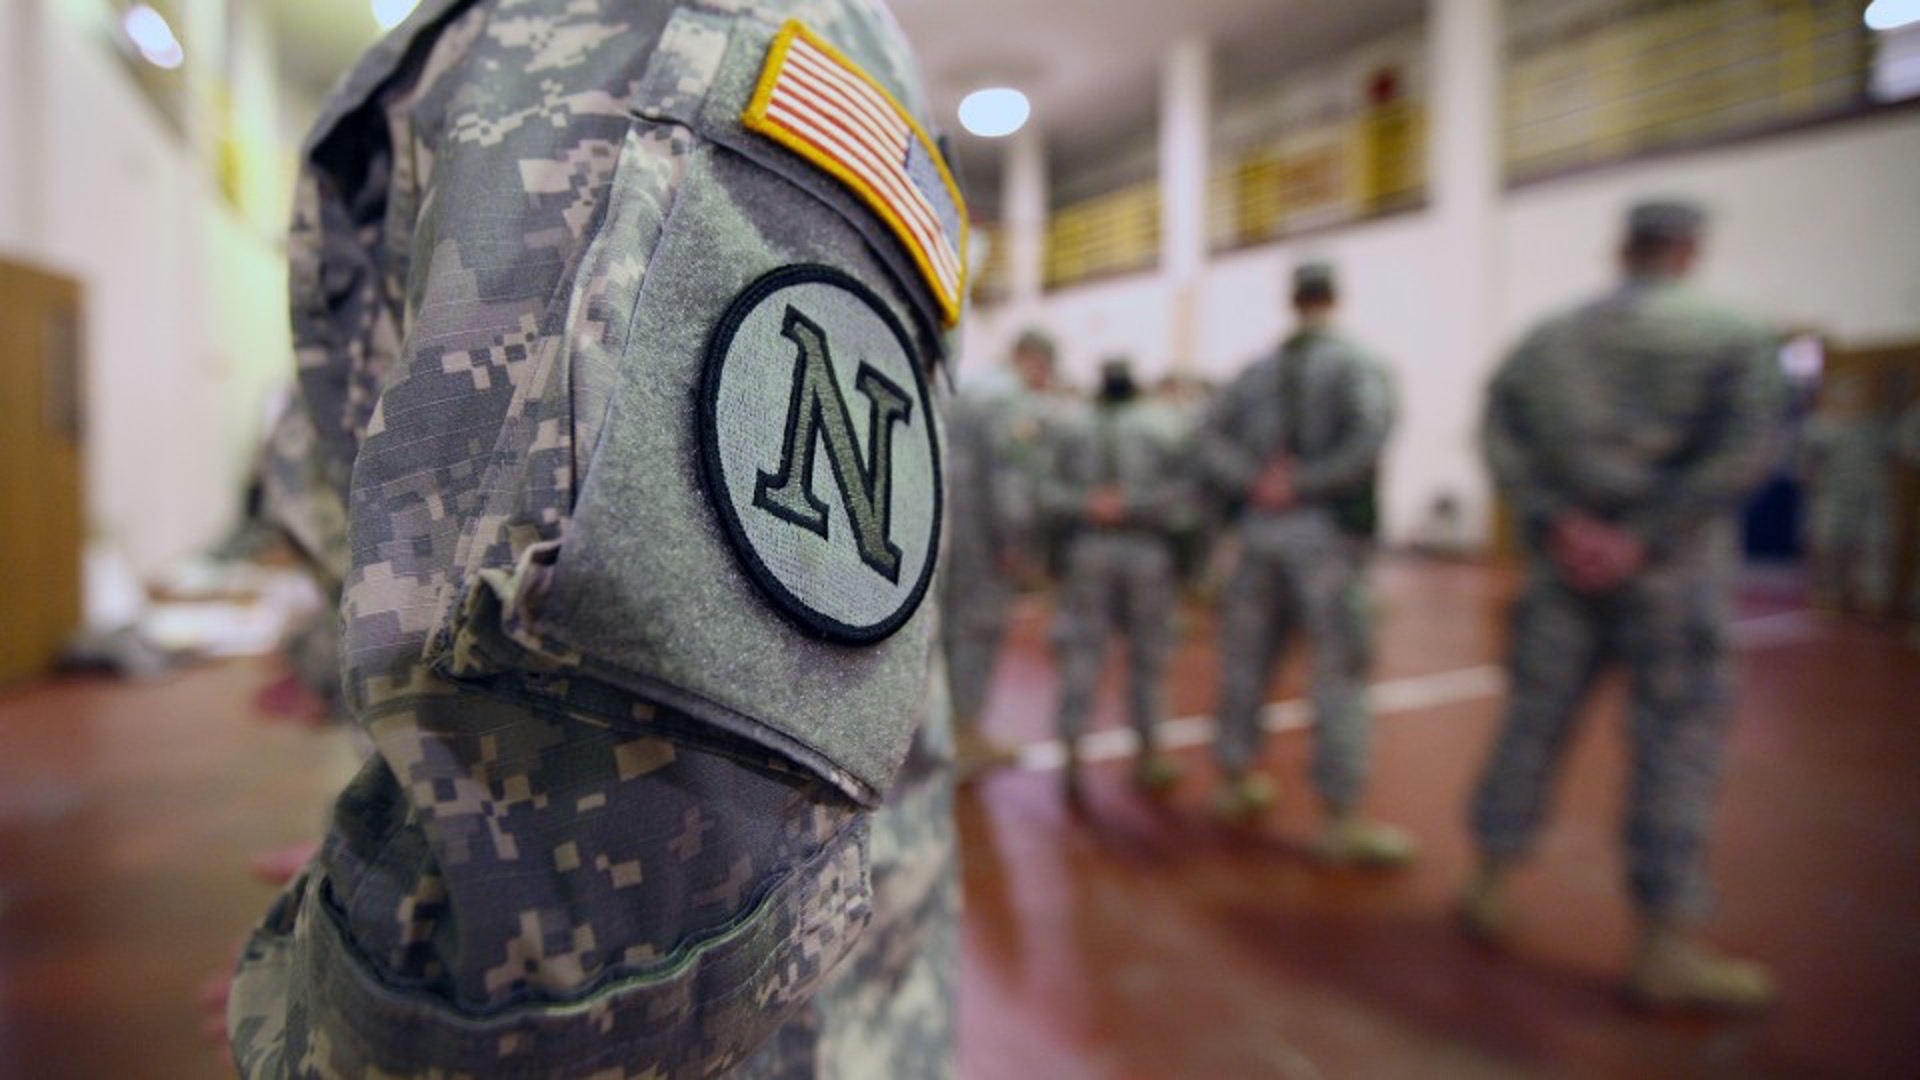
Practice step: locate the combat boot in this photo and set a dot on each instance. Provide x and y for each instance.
(1673, 972)
(1155, 774)
(1350, 840)
(974, 753)
(1486, 915)
(1070, 775)
(1243, 799)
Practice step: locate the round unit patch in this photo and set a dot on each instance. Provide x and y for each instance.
(820, 453)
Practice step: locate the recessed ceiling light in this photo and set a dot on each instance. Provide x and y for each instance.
(391, 13)
(1892, 14)
(149, 32)
(994, 112)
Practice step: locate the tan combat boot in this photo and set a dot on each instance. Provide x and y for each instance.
(1070, 775)
(974, 753)
(1243, 799)
(1486, 915)
(1673, 972)
(1154, 773)
(1348, 839)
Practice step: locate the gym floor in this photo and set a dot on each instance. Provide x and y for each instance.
(1128, 939)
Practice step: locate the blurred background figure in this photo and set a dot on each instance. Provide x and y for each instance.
(1907, 452)
(1115, 485)
(1295, 444)
(1626, 434)
(995, 431)
(1846, 461)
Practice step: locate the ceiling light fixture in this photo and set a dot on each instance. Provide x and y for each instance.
(994, 112)
(1892, 14)
(391, 13)
(149, 32)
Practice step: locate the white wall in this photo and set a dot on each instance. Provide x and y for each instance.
(1818, 229)
(186, 305)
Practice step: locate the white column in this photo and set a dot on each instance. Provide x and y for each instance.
(23, 129)
(1186, 99)
(1023, 205)
(1463, 186)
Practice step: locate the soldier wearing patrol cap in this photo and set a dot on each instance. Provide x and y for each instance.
(616, 326)
(1625, 433)
(995, 430)
(1115, 486)
(1293, 445)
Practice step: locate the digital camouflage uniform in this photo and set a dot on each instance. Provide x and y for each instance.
(1848, 464)
(1117, 577)
(993, 438)
(311, 512)
(1906, 447)
(661, 784)
(1304, 567)
(1650, 409)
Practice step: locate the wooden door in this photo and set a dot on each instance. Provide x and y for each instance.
(42, 532)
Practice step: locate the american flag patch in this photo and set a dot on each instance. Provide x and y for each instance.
(817, 103)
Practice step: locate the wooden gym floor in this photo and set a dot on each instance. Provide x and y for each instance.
(1131, 940)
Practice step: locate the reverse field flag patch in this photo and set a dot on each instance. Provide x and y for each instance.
(816, 102)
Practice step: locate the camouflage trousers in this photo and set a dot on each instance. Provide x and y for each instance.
(1299, 573)
(1669, 630)
(973, 614)
(1115, 580)
(1851, 534)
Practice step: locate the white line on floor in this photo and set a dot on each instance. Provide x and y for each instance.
(1780, 628)
(1389, 696)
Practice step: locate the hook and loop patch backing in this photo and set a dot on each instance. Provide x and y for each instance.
(822, 463)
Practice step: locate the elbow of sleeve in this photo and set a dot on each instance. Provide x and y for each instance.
(303, 988)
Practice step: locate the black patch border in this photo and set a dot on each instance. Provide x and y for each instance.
(796, 611)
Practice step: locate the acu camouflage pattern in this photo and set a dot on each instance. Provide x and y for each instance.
(1652, 409)
(1847, 463)
(1117, 577)
(540, 873)
(303, 503)
(994, 435)
(1299, 569)
(1906, 447)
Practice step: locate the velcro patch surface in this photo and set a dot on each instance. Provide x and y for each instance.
(819, 104)
(820, 453)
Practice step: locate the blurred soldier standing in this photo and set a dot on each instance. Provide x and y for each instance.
(1846, 460)
(1625, 433)
(583, 292)
(1906, 448)
(1115, 486)
(994, 434)
(1295, 443)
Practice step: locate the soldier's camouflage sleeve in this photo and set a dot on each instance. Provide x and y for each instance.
(619, 819)
(1020, 431)
(1060, 489)
(1649, 408)
(1362, 390)
(1226, 447)
(979, 481)
(302, 500)
(1735, 441)
(1906, 435)
(1513, 447)
(1155, 484)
